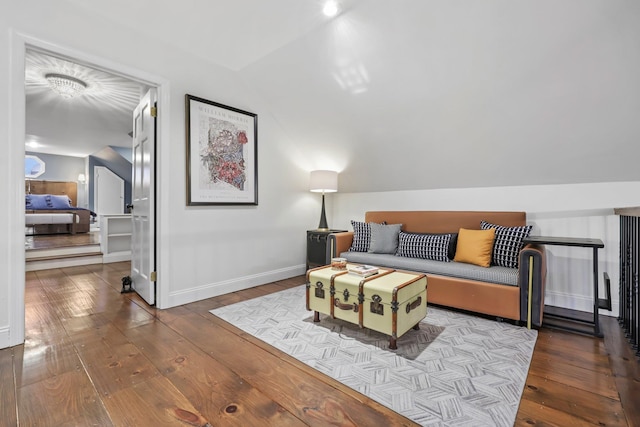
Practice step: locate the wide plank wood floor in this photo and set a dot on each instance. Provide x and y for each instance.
(94, 356)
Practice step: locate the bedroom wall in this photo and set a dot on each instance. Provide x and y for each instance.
(205, 251)
(64, 168)
(60, 168)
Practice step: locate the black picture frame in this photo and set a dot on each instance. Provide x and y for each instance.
(222, 154)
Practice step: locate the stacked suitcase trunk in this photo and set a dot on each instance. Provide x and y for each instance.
(390, 302)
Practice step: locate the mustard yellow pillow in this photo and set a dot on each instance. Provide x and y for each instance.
(475, 246)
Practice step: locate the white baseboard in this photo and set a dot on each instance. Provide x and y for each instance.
(4, 337)
(220, 288)
(578, 302)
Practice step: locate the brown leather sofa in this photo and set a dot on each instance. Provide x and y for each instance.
(523, 302)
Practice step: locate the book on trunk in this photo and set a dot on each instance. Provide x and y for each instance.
(363, 270)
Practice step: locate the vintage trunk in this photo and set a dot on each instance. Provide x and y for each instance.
(390, 302)
(346, 295)
(319, 281)
(395, 303)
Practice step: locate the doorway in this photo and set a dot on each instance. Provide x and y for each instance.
(20, 44)
(78, 121)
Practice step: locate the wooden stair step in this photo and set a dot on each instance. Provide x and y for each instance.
(50, 257)
(62, 251)
(60, 261)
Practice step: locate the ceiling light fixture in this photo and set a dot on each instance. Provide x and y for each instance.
(66, 86)
(331, 8)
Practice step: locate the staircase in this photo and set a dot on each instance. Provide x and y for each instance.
(70, 256)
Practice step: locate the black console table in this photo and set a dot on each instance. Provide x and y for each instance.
(597, 303)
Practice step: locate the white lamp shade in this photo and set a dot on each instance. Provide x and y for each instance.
(323, 181)
(82, 178)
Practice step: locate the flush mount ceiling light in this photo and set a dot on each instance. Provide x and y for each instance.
(66, 86)
(331, 8)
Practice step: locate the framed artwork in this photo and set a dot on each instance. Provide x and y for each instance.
(222, 154)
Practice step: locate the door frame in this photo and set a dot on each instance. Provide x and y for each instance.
(20, 42)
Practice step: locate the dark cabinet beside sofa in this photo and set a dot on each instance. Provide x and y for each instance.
(317, 247)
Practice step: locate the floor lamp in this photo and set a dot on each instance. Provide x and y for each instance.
(323, 181)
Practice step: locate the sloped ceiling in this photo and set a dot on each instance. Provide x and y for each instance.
(449, 94)
(410, 94)
(231, 33)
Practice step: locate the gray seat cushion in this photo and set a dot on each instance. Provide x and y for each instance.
(493, 274)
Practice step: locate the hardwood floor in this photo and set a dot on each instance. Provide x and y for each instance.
(93, 356)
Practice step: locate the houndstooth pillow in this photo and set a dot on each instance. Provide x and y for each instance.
(426, 246)
(508, 243)
(361, 236)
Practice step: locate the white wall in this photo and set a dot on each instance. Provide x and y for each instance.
(572, 210)
(205, 251)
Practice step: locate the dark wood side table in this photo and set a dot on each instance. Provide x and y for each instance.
(595, 244)
(317, 247)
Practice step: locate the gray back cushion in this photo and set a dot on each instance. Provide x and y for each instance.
(384, 238)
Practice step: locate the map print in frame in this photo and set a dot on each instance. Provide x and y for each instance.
(222, 164)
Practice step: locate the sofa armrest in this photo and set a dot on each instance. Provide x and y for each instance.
(532, 279)
(338, 243)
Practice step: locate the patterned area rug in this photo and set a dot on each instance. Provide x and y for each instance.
(457, 370)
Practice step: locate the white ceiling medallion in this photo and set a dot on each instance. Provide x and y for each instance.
(66, 86)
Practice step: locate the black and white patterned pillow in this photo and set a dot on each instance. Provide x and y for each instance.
(508, 243)
(426, 246)
(361, 236)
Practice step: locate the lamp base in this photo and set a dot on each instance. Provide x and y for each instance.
(323, 218)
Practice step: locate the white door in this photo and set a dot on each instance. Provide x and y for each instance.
(108, 192)
(143, 248)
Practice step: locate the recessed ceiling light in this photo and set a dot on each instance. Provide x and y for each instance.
(331, 8)
(32, 144)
